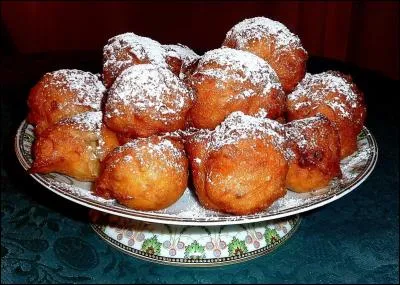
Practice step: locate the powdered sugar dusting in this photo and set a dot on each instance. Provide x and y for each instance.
(185, 54)
(182, 52)
(295, 132)
(351, 164)
(82, 193)
(144, 49)
(180, 134)
(238, 126)
(87, 86)
(235, 65)
(260, 27)
(188, 207)
(161, 150)
(147, 87)
(288, 202)
(88, 121)
(313, 90)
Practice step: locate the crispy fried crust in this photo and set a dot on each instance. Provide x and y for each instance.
(315, 149)
(221, 89)
(289, 61)
(289, 65)
(181, 59)
(71, 151)
(240, 178)
(145, 174)
(212, 105)
(197, 154)
(348, 116)
(159, 103)
(126, 50)
(56, 97)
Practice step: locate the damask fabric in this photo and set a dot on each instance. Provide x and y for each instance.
(47, 239)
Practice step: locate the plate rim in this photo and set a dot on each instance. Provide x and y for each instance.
(226, 220)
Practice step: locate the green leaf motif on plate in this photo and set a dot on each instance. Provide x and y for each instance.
(151, 246)
(195, 251)
(271, 236)
(237, 247)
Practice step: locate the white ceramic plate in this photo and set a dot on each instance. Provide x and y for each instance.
(187, 210)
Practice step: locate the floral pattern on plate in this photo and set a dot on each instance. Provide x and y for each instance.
(193, 245)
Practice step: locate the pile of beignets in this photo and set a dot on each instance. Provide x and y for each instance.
(244, 122)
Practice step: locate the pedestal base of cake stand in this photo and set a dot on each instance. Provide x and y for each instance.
(200, 246)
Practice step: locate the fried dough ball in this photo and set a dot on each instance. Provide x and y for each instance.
(334, 95)
(228, 80)
(74, 146)
(314, 148)
(145, 174)
(181, 59)
(273, 42)
(125, 50)
(62, 94)
(239, 167)
(146, 100)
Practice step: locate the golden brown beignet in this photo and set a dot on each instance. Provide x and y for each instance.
(146, 100)
(145, 174)
(74, 146)
(126, 50)
(228, 80)
(314, 148)
(273, 42)
(240, 167)
(181, 59)
(62, 94)
(334, 95)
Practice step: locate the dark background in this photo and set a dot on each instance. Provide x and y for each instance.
(365, 34)
(355, 239)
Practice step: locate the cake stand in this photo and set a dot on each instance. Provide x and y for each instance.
(186, 234)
